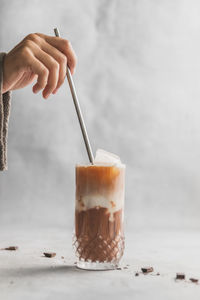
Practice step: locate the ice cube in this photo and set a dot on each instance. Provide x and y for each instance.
(104, 157)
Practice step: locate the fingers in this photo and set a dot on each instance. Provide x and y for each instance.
(65, 47)
(60, 58)
(48, 58)
(39, 69)
(49, 62)
(53, 68)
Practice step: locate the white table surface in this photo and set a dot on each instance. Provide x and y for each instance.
(26, 274)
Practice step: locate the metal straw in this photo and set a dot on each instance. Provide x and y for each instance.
(78, 110)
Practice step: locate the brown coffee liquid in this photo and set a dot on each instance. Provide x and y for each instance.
(98, 238)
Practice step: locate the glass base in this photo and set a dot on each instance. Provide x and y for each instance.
(96, 266)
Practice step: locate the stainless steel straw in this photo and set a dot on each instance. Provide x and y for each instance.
(78, 110)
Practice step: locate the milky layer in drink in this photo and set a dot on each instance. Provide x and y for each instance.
(101, 184)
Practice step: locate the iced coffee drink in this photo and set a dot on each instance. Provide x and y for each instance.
(99, 235)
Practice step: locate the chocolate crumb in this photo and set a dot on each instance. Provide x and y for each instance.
(195, 280)
(118, 268)
(49, 254)
(125, 267)
(10, 248)
(147, 269)
(62, 257)
(158, 274)
(180, 276)
(136, 274)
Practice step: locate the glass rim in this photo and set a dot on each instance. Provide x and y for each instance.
(121, 166)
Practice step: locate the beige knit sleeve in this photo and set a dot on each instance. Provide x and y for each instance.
(5, 100)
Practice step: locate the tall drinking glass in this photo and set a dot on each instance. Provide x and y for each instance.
(99, 214)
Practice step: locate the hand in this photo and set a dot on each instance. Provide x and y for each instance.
(38, 57)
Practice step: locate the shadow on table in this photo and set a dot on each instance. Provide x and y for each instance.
(43, 270)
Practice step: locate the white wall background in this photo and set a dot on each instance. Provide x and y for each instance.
(138, 81)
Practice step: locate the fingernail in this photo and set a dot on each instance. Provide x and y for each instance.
(46, 96)
(55, 91)
(35, 90)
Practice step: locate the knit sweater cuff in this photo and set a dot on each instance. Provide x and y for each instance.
(5, 102)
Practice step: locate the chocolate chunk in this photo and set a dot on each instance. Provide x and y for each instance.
(194, 280)
(147, 269)
(10, 248)
(136, 274)
(180, 276)
(49, 254)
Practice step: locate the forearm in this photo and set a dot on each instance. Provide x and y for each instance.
(4, 118)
